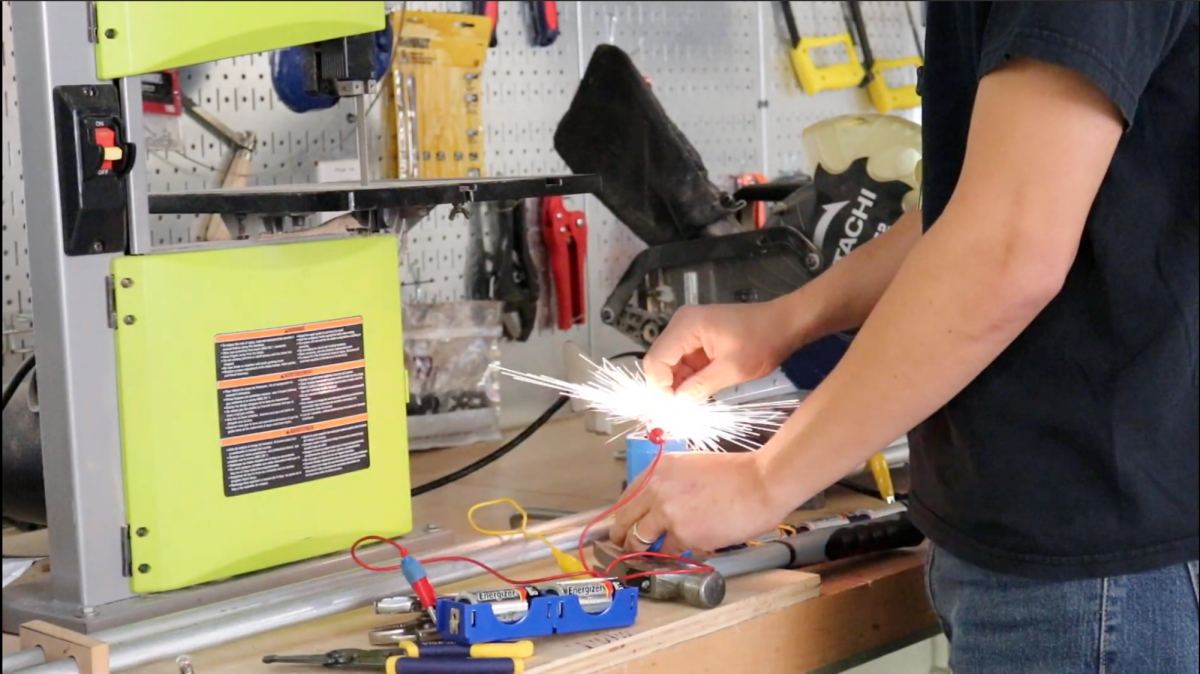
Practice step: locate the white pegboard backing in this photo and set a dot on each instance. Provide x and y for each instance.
(18, 306)
(789, 109)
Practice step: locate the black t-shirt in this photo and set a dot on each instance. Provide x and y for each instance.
(1074, 455)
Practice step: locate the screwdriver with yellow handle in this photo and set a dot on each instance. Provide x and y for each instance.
(449, 649)
(883, 477)
(402, 664)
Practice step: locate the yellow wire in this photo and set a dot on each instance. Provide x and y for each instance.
(567, 562)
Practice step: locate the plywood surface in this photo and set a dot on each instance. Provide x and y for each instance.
(662, 626)
(776, 622)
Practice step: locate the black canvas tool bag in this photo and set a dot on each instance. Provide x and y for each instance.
(654, 180)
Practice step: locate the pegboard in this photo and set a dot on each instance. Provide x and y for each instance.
(17, 296)
(719, 68)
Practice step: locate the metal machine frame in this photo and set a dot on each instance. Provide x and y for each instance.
(87, 589)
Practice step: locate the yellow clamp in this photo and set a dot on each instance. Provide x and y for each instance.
(814, 80)
(900, 98)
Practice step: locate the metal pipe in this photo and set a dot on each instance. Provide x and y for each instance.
(189, 631)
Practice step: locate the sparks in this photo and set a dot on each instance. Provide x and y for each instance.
(624, 396)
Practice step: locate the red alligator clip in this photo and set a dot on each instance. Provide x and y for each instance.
(565, 236)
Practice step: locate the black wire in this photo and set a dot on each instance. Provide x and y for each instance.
(510, 445)
(10, 389)
(498, 453)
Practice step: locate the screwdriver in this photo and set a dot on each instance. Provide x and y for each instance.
(883, 477)
(449, 649)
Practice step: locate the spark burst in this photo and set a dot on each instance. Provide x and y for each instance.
(624, 396)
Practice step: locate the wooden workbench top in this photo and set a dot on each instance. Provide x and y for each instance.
(783, 621)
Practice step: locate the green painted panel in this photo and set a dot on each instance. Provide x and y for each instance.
(241, 381)
(135, 38)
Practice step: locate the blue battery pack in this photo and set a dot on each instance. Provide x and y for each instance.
(470, 624)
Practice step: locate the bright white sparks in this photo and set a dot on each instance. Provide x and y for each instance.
(624, 396)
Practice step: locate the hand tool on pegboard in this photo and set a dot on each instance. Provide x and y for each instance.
(814, 79)
(757, 210)
(543, 19)
(516, 282)
(508, 273)
(565, 235)
(884, 98)
(434, 97)
(237, 172)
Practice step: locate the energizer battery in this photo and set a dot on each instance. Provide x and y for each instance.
(594, 595)
(508, 604)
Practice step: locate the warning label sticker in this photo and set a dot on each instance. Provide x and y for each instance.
(293, 404)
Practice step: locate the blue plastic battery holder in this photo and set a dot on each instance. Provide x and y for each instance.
(548, 614)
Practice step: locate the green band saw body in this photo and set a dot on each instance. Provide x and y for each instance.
(262, 396)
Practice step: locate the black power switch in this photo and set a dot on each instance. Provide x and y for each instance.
(94, 159)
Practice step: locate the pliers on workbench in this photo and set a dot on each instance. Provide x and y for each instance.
(565, 236)
(349, 658)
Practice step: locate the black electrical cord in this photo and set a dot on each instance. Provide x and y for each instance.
(508, 446)
(10, 389)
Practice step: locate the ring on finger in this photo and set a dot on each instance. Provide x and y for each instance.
(634, 532)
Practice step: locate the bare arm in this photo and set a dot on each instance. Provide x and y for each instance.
(843, 297)
(1040, 143)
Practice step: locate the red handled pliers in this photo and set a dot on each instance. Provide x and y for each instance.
(543, 15)
(564, 234)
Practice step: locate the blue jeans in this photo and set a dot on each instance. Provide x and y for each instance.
(1125, 625)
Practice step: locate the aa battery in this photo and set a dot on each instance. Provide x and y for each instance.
(507, 604)
(594, 595)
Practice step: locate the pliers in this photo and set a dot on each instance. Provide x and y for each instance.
(361, 658)
(542, 15)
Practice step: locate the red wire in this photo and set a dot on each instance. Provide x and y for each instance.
(697, 567)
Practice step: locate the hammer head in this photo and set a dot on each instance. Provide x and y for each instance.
(698, 589)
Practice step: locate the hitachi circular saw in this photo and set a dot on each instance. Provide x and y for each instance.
(706, 246)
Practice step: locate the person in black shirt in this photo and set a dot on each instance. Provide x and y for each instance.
(1032, 326)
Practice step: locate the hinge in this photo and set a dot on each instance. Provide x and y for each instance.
(93, 30)
(110, 299)
(126, 553)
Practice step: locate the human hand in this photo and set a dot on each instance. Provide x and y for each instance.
(702, 501)
(707, 348)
